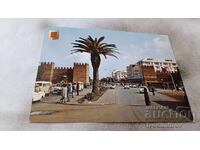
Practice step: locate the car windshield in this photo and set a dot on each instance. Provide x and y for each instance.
(39, 84)
(58, 85)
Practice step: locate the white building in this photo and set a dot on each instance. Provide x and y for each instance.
(167, 64)
(134, 71)
(119, 74)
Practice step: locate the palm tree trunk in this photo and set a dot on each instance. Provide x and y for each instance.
(95, 59)
(95, 86)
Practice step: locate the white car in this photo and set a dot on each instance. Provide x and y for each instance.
(56, 89)
(37, 96)
(134, 86)
(112, 87)
(126, 87)
(44, 86)
(141, 89)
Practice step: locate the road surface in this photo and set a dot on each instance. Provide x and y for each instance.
(122, 96)
(124, 105)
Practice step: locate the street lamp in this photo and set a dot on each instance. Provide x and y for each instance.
(172, 80)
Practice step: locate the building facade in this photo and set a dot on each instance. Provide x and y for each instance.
(168, 65)
(48, 72)
(134, 73)
(118, 75)
(152, 72)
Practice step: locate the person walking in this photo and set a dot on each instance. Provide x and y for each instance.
(146, 97)
(69, 91)
(153, 90)
(73, 89)
(63, 93)
(77, 88)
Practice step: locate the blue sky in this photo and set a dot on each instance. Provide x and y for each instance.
(131, 45)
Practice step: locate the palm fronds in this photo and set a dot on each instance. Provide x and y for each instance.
(94, 45)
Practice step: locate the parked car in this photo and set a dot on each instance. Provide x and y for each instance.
(133, 86)
(126, 87)
(44, 86)
(112, 87)
(141, 89)
(181, 88)
(37, 96)
(56, 89)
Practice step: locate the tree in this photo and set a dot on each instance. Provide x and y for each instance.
(95, 47)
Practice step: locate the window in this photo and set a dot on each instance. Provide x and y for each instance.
(39, 84)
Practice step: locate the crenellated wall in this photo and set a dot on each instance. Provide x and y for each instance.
(58, 73)
(47, 72)
(70, 74)
(81, 73)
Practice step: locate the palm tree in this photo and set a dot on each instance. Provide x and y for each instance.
(95, 47)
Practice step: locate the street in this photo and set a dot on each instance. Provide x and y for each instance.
(121, 96)
(115, 105)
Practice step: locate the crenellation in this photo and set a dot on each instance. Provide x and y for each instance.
(69, 68)
(78, 73)
(81, 73)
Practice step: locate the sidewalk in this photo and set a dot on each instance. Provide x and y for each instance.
(161, 97)
(56, 98)
(107, 98)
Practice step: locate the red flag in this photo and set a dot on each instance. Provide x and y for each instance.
(53, 35)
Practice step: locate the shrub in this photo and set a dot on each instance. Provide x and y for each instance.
(103, 89)
(90, 96)
(93, 96)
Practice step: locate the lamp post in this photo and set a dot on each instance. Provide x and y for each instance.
(172, 80)
(162, 83)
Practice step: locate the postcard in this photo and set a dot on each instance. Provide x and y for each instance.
(95, 75)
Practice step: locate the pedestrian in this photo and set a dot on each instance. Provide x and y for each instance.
(73, 90)
(77, 88)
(146, 97)
(69, 91)
(153, 90)
(63, 93)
